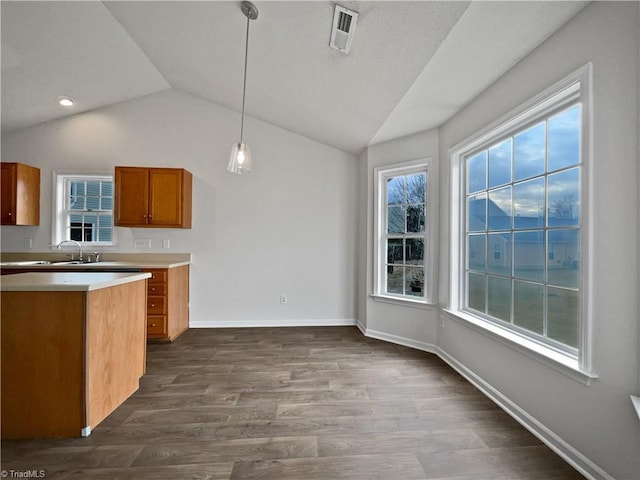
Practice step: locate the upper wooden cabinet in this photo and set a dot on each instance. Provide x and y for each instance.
(20, 202)
(152, 197)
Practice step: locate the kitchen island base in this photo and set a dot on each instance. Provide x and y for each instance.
(69, 358)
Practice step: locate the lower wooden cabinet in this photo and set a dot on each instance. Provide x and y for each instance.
(167, 303)
(69, 358)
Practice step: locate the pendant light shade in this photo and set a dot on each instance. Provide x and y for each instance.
(240, 158)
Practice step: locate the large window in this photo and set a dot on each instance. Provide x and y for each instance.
(84, 209)
(521, 221)
(402, 240)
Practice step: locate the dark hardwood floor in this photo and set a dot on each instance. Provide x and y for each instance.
(296, 404)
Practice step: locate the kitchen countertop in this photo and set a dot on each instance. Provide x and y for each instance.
(93, 265)
(66, 281)
(109, 260)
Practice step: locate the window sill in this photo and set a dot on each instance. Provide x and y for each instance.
(406, 302)
(561, 363)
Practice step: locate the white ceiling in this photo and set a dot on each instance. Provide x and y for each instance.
(412, 65)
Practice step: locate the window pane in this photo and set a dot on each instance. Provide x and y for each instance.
(477, 213)
(76, 203)
(477, 172)
(529, 153)
(105, 221)
(107, 203)
(499, 305)
(499, 259)
(93, 203)
(87, 235)
(528, 204)
(415, 219)
(500, 164)
(500, 209)
(528, 306)
(562, 316)
(476, 252)
(528, 255)
(105, 235)
(416, 188)
(563, 250)
(395, 279)
(395, 219)
(476, 291)
(77, 188)
(395, 190)
(414, 251)
(107, 189)
(75, 233)
(394, 251)
(414, 281)
(93, 189)
(563, 198)
(564, 139)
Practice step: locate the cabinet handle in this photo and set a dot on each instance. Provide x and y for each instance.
(9, 214)
(153, 324)
(144, 215)
(153, 289)
(153, 304)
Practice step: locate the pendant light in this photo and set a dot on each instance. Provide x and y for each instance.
(240, 159)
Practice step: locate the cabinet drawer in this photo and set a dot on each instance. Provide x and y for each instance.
(156, 305)
(157, 276)
(156, 325)
(156, 289)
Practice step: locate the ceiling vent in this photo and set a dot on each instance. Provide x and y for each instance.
(344, 27)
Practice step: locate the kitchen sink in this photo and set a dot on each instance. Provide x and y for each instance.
(25, 263)
(70, 262)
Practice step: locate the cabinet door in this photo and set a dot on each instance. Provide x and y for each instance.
(27, 195)
(165, 199)
(8, 194)
(20, 194)
(131, 194)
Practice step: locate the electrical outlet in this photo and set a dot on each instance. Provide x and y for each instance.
(166, 243)
(142, 243)
(283, 299)
(28, 243)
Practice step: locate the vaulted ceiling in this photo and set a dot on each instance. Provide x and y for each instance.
(412, 65)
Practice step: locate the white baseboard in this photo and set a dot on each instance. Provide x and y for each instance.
(407, 342)
(306, 322)
(572, 456)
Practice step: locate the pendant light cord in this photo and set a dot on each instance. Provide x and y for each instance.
(244, 83)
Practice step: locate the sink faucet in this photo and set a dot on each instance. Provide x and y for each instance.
(77, 244)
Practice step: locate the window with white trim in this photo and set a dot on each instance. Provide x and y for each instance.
(402, 232)
(519, 229)
(83, 209)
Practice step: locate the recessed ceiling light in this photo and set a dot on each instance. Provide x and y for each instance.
(65, 101)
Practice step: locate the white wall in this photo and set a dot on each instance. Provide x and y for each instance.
(289, 228)
(410, 325)
(595, 426)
